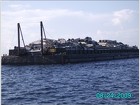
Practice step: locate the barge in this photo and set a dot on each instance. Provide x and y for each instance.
(61, 51)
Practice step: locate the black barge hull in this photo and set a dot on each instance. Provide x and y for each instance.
(63, 59)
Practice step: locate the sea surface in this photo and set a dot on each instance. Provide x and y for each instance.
(71, 84)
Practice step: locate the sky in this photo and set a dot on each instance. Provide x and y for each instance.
(112, 20)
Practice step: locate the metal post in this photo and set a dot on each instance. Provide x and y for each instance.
(41, 27)
(22, 36)
(44, 31)
(18, 28)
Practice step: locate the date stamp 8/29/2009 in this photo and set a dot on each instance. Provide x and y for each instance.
(113, 95)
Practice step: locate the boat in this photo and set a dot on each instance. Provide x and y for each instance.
(61, 51)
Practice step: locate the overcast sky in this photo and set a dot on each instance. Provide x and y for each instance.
(114, 20)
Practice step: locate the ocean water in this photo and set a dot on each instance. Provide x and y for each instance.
(71, 84)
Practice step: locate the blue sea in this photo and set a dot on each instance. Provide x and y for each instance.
(71, 84)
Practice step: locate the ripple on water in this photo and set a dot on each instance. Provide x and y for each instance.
(73, 84)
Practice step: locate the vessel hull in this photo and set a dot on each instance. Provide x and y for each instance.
(63, 59)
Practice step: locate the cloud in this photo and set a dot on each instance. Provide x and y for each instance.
(122, 16)
(18, 6)
(31, 17)
(28, 15)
